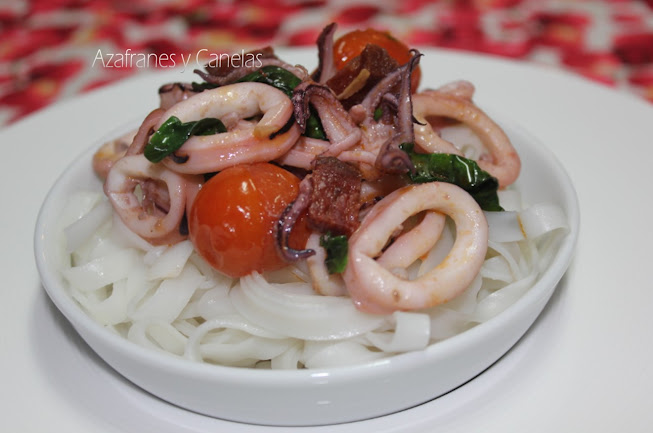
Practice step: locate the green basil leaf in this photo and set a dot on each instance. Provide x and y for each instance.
(200, 87)
(314, 127)
(276, 77)
(461, 171)
(207, 126)
(336, 248)
(378, 113)
(172, 134)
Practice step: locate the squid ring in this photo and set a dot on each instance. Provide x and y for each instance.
(502, 161)
(375, 289)
(273, 135)
(415, 243)
(161, 225)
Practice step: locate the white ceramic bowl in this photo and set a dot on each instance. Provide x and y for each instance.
(320, 396)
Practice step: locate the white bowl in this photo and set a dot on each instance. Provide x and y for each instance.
(319, 396)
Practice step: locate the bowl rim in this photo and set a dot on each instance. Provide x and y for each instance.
(544, 287)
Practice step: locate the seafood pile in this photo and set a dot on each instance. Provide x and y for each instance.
(345, 168)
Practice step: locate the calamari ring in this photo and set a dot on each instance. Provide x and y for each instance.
(159, 226)
(144, 131)
(109, 153)
(271, 137)
(375, 289)
(415, 243)
(502, 161)
(460, 88)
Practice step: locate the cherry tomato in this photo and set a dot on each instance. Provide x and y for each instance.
(352, 44)
(232, 222)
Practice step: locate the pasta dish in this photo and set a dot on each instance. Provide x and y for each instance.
(272, 217)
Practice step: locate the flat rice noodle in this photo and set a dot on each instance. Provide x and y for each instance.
(496, 302)
(466, 301)
(102, 271)
(153, 254)
(139, 287)
(158, 335)
(510, 252)
(510, 199)
(213, 278)
(215, 303)
(297, 272)
(195, 340)
(86, 226)
(300, 315)
(248, 351)
(288, 360)
(170, 297)
(446, 323)
(171, 300)
(542, 218)
(97, 246)
(124, 236)
(185, 325)
(504, 226)
(548, 246)
(171, 261)
(110, 311)
(412, 331)
(497, 268)
(79, 204)
(322, 354)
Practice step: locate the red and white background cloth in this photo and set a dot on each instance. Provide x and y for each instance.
(49, 49)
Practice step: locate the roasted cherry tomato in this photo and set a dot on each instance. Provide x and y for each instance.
(232, 222)
(352, 44)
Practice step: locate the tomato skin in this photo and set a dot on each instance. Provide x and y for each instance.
(232, 222)
(352, 44)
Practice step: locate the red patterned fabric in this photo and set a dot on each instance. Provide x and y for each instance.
(48, 49)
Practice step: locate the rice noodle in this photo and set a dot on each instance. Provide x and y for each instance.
(168, 299)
